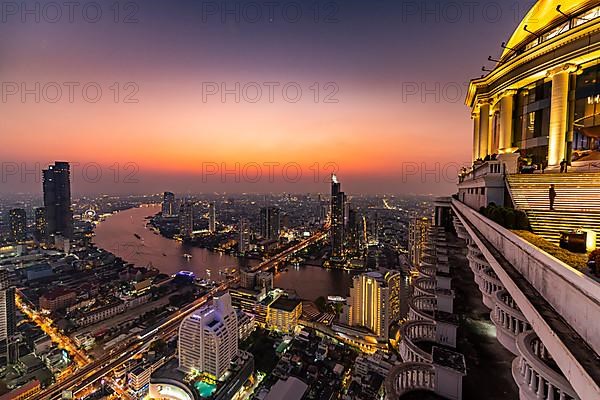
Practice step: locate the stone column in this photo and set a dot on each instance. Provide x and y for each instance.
(476, 138)
(506, 122)
(558, 112)
(484, 129)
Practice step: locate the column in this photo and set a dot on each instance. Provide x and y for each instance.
(506, 122)
(558, 112)
(476, 139)
(484, 129)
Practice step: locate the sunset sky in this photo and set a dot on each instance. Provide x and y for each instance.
(364, 54)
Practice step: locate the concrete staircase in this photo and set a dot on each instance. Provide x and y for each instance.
(577, 203)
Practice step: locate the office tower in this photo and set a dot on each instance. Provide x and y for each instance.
(18, 225)
(417, 238)
(270, 222)
(208, 339)
(40, 223)
(244, 239)
(212, 218)
(168, 204)
(57, 199)
(7, 310)
(186, 219)
(374, 301)
(338, 201)
(352, 231)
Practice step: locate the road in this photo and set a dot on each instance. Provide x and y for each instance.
(268, 264)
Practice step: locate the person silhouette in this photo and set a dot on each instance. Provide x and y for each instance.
(552, 196)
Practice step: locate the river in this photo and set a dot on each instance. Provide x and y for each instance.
(117, 235)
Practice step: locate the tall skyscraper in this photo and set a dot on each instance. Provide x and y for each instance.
(18, 224)
(40, 223)
(374, 301)
(168, 204)
(352, 231)
(186, 219)
(270, 222)
(212, 218)
(338, 205)
(7, 310)
(57, 199)
(244, 238)
(208, 339)
(417, 238)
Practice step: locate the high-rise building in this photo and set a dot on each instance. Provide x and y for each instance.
(270, 222)
(7, 310)
(18, 224)
(168, 204)
(374, 301)
(208, 339)
(244, 238)
(352, 231)
(186, 219)
(417, 238)
(212, 218)
(338, 206)
(57, 199)
(40, 223)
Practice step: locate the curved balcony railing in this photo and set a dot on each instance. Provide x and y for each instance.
(534, 374)
(427, 269)
(421, 308)
(508, 319)
(407, 377)
(424, 286)
(488, 285)
(412, 333)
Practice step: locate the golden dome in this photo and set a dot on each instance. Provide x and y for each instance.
(541, 16)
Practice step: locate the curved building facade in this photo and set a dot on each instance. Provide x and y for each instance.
(542, 99)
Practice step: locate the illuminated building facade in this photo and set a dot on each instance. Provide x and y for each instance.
(338, 210)
(7, 310)
(270, 222)
(40, 223)
(374, 301)
(168, 204)
(283, 314)
(186, 219)
(208, 339)
(18, 225)
(212, 218)
(57, 199)
(542, 99)
(244, 236)
(417, 238)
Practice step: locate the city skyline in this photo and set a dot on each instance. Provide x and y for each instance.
(394, 100)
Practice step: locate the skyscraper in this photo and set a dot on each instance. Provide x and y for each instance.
(186, 219)
(208, 339)
(417, 238)
(7, 310)
(244, 239)
(40, 223)
(338, 202)
(270, 222)
(18, 225)
(212, 218)
(168, 204)
(374, 301)
(352, 231)
(57, 199)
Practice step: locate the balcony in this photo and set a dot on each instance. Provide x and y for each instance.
(411, 334)
(561, 304)
(536, 374)
(509, 320)
(408, 377)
